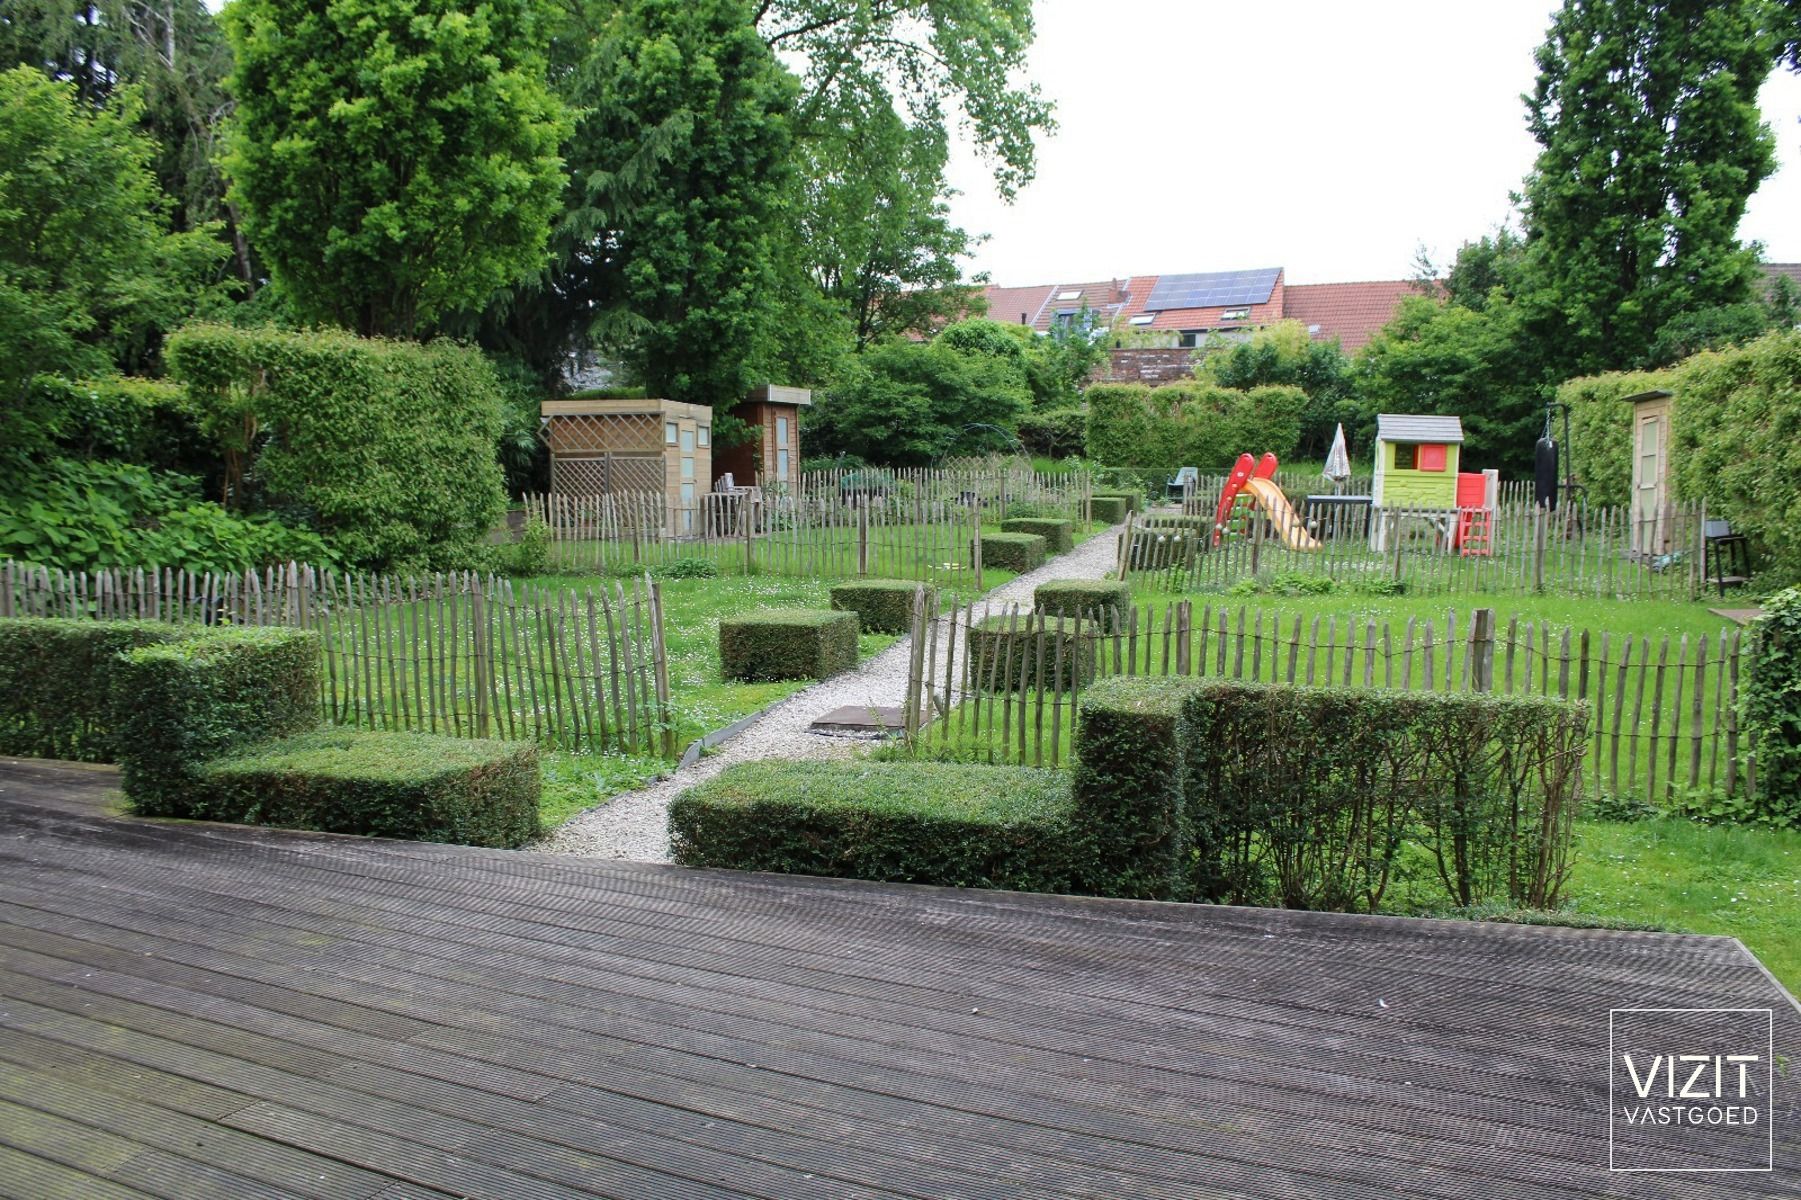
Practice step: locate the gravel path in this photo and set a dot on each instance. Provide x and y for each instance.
(635, 825)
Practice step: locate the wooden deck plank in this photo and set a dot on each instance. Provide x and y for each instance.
(436, 1020)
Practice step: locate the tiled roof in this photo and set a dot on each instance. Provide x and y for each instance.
(1016, 305)
(1773, 271)
(1351, 312)
(1392, 427)
(1104, 298)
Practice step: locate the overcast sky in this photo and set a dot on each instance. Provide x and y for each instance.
(1328, 138)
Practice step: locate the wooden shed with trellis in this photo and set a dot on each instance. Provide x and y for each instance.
(631, 447)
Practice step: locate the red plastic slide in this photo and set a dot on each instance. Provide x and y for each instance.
(1241, 475)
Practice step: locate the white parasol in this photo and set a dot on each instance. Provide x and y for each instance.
(1338, 459)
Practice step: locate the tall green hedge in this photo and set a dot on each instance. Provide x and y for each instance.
(389, 446)
(1601, 429)
(1772, 700)
(1190, 424)
(417, 786)
(181, 703)
(942, 823)
(57, 681)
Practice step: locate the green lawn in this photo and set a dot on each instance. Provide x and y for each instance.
(1693, 878)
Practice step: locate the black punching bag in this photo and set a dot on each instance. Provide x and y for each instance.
(1544, 471)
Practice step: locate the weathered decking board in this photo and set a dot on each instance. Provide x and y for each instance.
(192, 1010)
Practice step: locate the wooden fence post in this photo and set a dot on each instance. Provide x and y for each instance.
(659, 651)
(1482, 650)
(863, 536)
(1538, 547)
(480, 651)
(975, 544)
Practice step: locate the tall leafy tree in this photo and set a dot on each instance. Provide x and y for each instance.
(396, 160)
(1651, 145)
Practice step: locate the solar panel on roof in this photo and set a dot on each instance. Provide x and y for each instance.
(1216, 289)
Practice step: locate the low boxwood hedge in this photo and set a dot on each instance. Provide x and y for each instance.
(1178, 521)
(787, 643)
(1134, 499)
(1059, 535)
(942, 823)
(1155, 548)
(1020, 552)
(400, 785)
(1103, 600)
(181, 703)
(1010, 653)
(56, 684)
(881, 605)
(1128, 789)
(1109, 510)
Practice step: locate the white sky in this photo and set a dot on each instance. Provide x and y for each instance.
(1328, 138)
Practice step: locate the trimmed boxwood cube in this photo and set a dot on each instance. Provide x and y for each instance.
(951, 824)
(1019, 552)
(1104, 600)
(881, 605)
(787, 643)
(1157, 548)
(1134, 500)
(1109, 510)
(1005, 650)
(181, 703)
(1127, 787)
(418, 786)
(56, 683)
(1059, 536)
(1178, 521)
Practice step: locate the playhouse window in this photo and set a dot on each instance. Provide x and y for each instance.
(1406, 456)
(1432, 458)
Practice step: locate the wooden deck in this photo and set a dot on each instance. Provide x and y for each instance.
(194, 1011)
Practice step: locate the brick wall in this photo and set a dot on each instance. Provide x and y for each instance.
(1146, 365)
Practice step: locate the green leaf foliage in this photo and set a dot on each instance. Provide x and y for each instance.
(417, 786)
(787, 643)
(1651, 144)
(1772, 710)
(388, 446)
(1127, 786)
(1018, 552)
(1285, 354)
(1182, 424)
(911, 404)
(1102, 599)
(181, 703)
(1059, 535)
(56, 684)
(1601, 426)
(881, 605)
(395, 160)
(1109, 510)
(948, 824)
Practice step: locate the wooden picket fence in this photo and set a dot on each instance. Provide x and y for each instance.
(1582, 550)
(901, 524)
(1664, 712)
(455, 653)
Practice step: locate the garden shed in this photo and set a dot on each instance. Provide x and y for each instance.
(1416, 461)
(774, 456)
(601, 447)
(1651, 470)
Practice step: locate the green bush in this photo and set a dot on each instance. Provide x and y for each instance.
(56, 684)
(1010, 653)
(1158, 547)
(1056, 433)
(1109, 510)
(1059, 535)
(689, 566)
(389, 445)
(181, 703)
(1134, 499)
(950, 824)
(1178, 521)
(881, 605)
(530, 555)
(1019, 552)
(1191, 424)
(787, 643)
(1103, 600)
(1772, 706)
(1127, 788)
(1601, 426)
(416, 786)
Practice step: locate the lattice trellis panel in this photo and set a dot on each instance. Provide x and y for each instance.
(607, 474)
(592, 434)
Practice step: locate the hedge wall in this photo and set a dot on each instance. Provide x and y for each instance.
(1601, 429)
(390, 446)
(400, 785)
(941, 823)
(1127, 789)
(1109, 510)
(57, 682)
(1772, 703)
(1010, 653)
(1190, 424)
(181, 703)
(1101, 599)
(1019, 552)
(1059, 536)
(881, 605)
(787, 643)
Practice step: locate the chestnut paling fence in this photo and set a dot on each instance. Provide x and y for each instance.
(895, 524)
(1005, 684)
(1581, 550)
(454, 653)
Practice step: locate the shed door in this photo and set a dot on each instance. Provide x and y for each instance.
(1648, 485)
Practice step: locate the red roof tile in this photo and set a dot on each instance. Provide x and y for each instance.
(1016, 305)
(1351, 312)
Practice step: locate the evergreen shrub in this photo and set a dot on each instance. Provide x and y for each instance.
(881, 605)
(787, 643)
(1059, 535)
(1019, 552)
